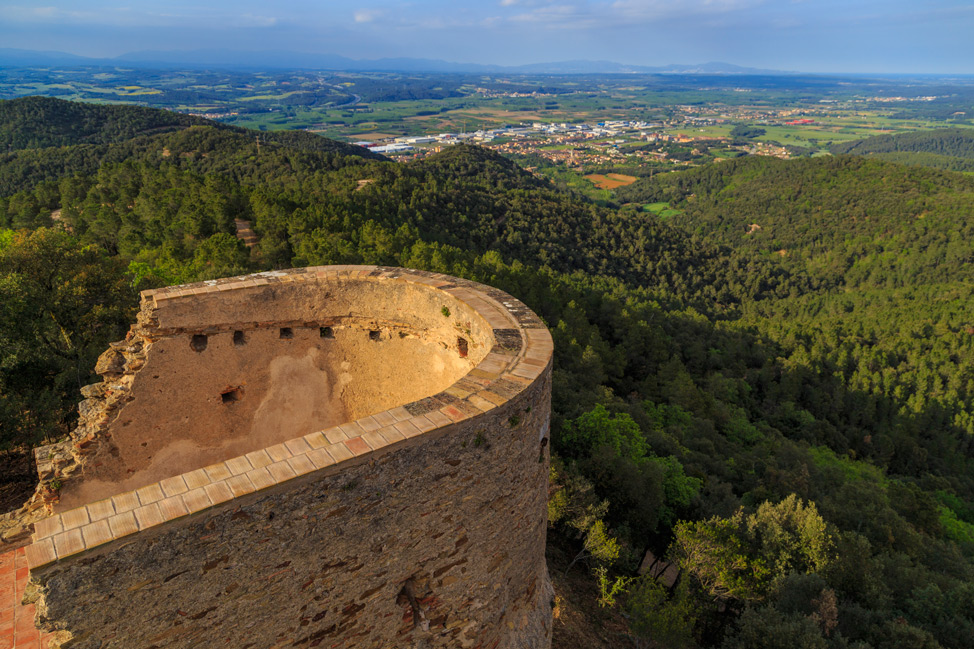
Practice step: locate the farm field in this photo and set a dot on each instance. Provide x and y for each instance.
(662, 210)
(610, 181)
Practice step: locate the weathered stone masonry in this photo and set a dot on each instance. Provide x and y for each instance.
(211, 498)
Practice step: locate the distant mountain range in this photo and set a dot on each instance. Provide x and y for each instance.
(213, 58)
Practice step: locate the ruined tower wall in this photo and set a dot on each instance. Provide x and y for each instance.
(418, 525)
(327, 557)
(227, 372)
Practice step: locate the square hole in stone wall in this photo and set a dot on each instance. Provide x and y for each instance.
(374, 334)
(239, 338)
(287, 333)
(198, 342)
(326, 332)
(231, 395)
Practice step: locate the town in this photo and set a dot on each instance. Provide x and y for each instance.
(579, 144)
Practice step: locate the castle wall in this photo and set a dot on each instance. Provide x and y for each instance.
(325, 561)
(420, 525)
(229, 372)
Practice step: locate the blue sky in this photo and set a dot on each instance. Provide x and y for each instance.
(804, 35)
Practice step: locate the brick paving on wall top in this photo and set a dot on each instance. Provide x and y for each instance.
(17, 630)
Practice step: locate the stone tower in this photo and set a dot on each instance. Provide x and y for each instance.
(343, 456)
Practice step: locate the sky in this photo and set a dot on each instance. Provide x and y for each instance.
(855, 36)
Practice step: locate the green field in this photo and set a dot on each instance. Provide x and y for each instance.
(661, 210)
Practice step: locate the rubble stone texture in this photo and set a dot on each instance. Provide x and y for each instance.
(342, 456)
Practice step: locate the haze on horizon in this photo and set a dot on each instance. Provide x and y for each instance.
(879, 36)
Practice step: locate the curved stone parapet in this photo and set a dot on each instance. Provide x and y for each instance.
(343, 456)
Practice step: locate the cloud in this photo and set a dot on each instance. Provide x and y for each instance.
(615, 14)
(558, 15)
(367, 15)
(548, 13)
(42, 14)
(657, 9)
(250, 20)
(105, 16)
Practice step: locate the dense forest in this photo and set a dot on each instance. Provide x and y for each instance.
(772, 388)
(35, 122)
(951, 149)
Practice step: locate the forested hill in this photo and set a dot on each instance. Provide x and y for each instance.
(772, 388)
(38, 122)
(43, 138)
(956, 142)
(465, 197)
(951, 149)
(849, 221)
(42, 122)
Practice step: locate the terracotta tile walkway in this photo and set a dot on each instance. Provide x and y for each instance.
(17, 629)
